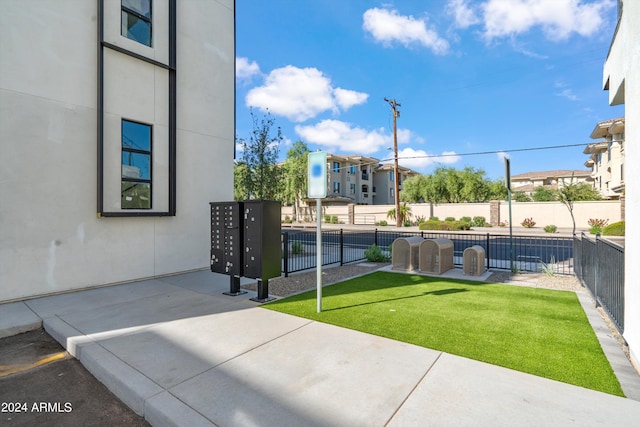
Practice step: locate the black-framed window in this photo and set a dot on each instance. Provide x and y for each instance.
(336, 167)
(336, 187)
(136, 165)
(136, 20)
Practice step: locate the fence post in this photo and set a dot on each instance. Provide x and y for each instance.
(488, 252)
(285, 255)
(341, 249)
(596, 274)
(375, 237)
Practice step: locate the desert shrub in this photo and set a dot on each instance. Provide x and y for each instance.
(382, 223)
(615, 229)
(407, 223)
(374, 254)
(430, 225)
(528, 223)
(449, 218)
(466, 219)
(420, 219)
(479, 221)
(287, 220)
(334, 219)
(327, 218)
(296, 248)
(434, 218)
(550, 228)
(596, 225)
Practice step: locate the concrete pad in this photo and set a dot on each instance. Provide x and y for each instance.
(464, 392)
(202, 281)
(454, 273)
(166, 410)
(126, 316)
(129, 385)
(16, 318)
(96, 298)
(317, 375)
(173, 352)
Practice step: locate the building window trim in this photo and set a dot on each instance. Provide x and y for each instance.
(148, 20)
(130, 150)
(172, 131)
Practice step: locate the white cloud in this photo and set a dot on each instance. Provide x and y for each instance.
(463, 14)
(348, 98)
(245, 70)
(301, 93)
(335, 135)
(557, 18)
(387, 26)
(565, 91)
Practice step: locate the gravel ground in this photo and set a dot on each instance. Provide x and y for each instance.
(303, 281)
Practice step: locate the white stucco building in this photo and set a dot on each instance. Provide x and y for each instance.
(621, 78)
(606, 158)
(116, 130)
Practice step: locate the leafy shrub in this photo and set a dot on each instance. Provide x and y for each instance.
(550, 228)
(374, 254)
(528, 223)
(596, 225)
(432, 224)
(449, 218)
(287, 220)
(407, 223)
(327, 218)
(435, 218)
(615, 229)
(296, 248)
(479, 221)
(466, 219)
(420, 219)
(382, 223)
(334, 219)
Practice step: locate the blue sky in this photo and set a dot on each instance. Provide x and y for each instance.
(471, 76)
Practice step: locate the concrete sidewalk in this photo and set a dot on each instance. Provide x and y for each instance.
(180, 353)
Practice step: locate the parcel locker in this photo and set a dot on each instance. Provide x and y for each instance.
(226, 238)
(262, 248)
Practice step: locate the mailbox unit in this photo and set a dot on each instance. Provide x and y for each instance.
(262, 248)
(226, 238)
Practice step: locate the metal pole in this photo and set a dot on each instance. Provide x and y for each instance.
(319, 254)
(510, 232)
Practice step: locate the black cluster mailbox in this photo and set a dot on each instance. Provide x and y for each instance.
(245, 241)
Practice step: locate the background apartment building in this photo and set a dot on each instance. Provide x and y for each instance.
(553, 180)
(361, 180)
(606, 158)
(117, 129)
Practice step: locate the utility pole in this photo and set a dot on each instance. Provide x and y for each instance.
(396, 114)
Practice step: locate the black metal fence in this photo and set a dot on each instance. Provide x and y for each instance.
(530, 253)
(599, 264)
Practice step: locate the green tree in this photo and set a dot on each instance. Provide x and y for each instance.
(543, 194)
(414, 189)
(498, 190)
(575, 192)
(240, 177)
(475, 187)
(295, 175)
(262, 179)
(520, 196)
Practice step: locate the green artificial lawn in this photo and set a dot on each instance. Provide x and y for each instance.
(538, 331)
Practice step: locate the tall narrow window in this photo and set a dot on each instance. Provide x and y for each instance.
(336, 167)
(136, 20)
(136, 165)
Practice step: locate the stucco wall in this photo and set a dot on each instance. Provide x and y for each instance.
(543, 213)
(51, 239)
(622, 70)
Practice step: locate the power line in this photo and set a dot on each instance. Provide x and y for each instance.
(477, 153)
